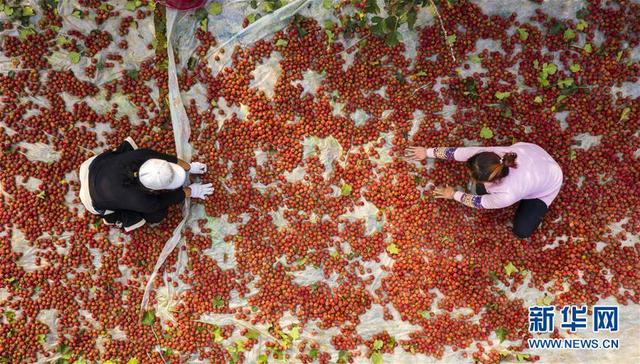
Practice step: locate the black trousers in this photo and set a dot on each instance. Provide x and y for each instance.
(156, 216)
(528, 215)
(128, 218)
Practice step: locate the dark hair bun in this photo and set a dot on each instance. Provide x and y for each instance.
(509, 160)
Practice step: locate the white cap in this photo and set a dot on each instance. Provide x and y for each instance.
(158, 174)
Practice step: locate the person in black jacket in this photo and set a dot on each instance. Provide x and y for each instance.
(129, 187)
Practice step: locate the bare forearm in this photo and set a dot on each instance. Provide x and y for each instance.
(183, 164)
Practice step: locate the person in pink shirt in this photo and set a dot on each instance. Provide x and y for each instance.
(503, 176)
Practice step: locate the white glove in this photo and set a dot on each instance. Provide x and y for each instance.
(197, 168)
(198, 190)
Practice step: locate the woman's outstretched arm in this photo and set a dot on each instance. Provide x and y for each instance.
(488, 201)
(460, 154)
(496, 200)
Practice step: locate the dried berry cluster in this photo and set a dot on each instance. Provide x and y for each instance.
(437, 265)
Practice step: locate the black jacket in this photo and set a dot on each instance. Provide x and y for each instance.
(113, 185)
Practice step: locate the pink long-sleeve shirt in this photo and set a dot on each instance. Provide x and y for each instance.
(537, 176)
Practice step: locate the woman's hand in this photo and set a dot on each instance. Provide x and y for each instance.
(444, 192)
(416, 153)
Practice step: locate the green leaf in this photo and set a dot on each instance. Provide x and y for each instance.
(522, 356)
(214, 8)
(217, 335)
(218, 302)
(10, 315)
(40, 338)
(486, 133)
(624, 116)
(475, 58)
(574, 67)
(240, 346)
(24, 32)
(27, 11)
(282, 43)
(262, 359)
(252, 334)
(582, 13)
(376, 358)
(412, 16)
(201, 13)
(345, 190)
(295, 333)
(391, 23)
(564, 83)
(251, 18)
(130, 5)
(149, 317)
(343, 356)
(549, 68)
(501, 333)
(543, 81)
(569, 34)
(581, 25)
(334, 254)
(572, 154)
(330, 36)
(8, 10)
(393, 249)
(588, 48)
(327, 4)
(133, 360)
(523, 34)
(425, 314)
(537, 100)
(64, 351)
(77, 13)
(84, 361)
(392, 342)
(557, 28)
(313, 353)
(421, 73)
(502, 95)
(393, 38)
(74, 57)
(451, 39)
(546, 299)
(133, 74)
(204, 25)
(377, 345)
(509, 269)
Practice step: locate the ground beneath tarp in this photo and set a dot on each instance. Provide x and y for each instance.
(321, 242)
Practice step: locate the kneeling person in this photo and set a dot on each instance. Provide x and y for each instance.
(129, 187)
